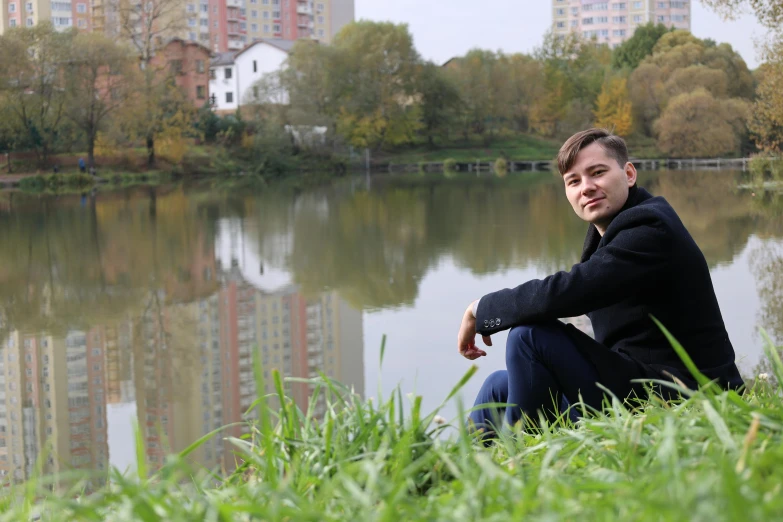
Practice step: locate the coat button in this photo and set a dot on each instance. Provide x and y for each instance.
(497, 321)
(486, 322)
(492, 323)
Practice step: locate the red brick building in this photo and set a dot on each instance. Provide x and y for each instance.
(189, 62)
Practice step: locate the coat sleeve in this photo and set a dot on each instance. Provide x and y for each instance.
(636, 255)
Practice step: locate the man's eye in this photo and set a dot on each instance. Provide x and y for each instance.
(598, 172)
(573, 182)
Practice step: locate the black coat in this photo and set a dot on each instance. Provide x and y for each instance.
(646, 264)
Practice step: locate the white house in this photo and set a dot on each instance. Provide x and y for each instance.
(232, 75)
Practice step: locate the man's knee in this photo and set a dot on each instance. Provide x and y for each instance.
(496, 385)
(534, 340)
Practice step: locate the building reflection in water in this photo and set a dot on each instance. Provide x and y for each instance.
(187, 365)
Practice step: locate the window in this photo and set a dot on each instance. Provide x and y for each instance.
(204, 8)
(638, 18)
(276, 28)
(320, 19)
(29, 7)
(204, 22)
(254, 13)
(191, 8)
(255, 66)
(619, 19)
(176, 66)
(81, 8)
(191, 22)
(212, 75)
(266, 15)
(12, 22)
(254, 28)
(201, 92)
(637, 5)
(11, 8)
(200, 66)
(229, 97)
(82, 23)
(276, 15)
(227, 73)
(560, 25)
(266, 28)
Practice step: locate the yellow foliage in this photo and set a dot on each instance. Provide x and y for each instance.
(171, 145)
(105, 146)
(247, 141)
(613, 107)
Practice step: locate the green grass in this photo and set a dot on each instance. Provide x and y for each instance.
(711, 456)
(521, 147)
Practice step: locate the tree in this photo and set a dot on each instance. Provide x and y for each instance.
(613, 107)
(149, 26)
(374, 74)
(697, 124)
(98, 81)
(766, 119)
(30, 63)
(630, 53)
(438, 101)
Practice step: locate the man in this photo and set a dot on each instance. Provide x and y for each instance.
(638, 262)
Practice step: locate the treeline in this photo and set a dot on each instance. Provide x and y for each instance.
(668, 91)
(685, 96)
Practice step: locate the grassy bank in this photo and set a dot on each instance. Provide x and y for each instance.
(712, 456)
(77, 182)
(521, 147)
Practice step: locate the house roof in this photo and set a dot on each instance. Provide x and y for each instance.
(226, 58)
(279, 43)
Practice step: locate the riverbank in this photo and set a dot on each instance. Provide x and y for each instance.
(713, 456)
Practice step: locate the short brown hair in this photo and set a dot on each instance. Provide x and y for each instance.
(613, 145)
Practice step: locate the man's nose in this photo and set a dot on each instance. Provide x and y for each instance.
(588, 185)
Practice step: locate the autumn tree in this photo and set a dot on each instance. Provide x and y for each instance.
(158, 108)
(697, 124)
(98, 81)
(33, 87)
(613, 107)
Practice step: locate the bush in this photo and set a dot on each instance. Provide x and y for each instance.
(33, 183)
(450, 165)
(501, 166)
(765, 168)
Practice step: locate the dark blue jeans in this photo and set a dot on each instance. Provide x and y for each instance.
(545, 372)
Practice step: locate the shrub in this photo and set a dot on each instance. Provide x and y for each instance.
(501, 166)
(33, 183)
(450, 165)
(765, 168)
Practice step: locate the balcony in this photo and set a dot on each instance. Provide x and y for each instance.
(235, 45)
(234, 3)
(232, 15)
(304, 10)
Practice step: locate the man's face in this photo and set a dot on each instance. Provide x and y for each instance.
(597, 186)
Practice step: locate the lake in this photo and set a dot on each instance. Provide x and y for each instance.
(146, 306)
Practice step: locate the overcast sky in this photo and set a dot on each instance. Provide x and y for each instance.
(445, 28)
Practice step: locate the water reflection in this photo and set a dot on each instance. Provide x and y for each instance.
(149, 304)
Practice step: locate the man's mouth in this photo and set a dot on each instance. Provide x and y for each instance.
(593, 201)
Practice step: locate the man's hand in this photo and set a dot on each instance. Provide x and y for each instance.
(466, 339)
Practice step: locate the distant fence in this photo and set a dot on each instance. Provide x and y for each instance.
(549, 165)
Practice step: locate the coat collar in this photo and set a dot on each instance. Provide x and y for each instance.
(635, 196)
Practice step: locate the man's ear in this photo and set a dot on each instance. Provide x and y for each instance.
(630, 174)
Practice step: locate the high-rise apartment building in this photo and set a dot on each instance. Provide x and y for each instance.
(229, 25)
(220, 25)
(64, 14)
(613, 22)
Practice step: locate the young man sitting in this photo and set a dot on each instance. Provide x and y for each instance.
(638, 262)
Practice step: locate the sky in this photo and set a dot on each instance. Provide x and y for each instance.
(445, 28)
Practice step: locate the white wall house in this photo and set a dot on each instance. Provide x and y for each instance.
(233, 74)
